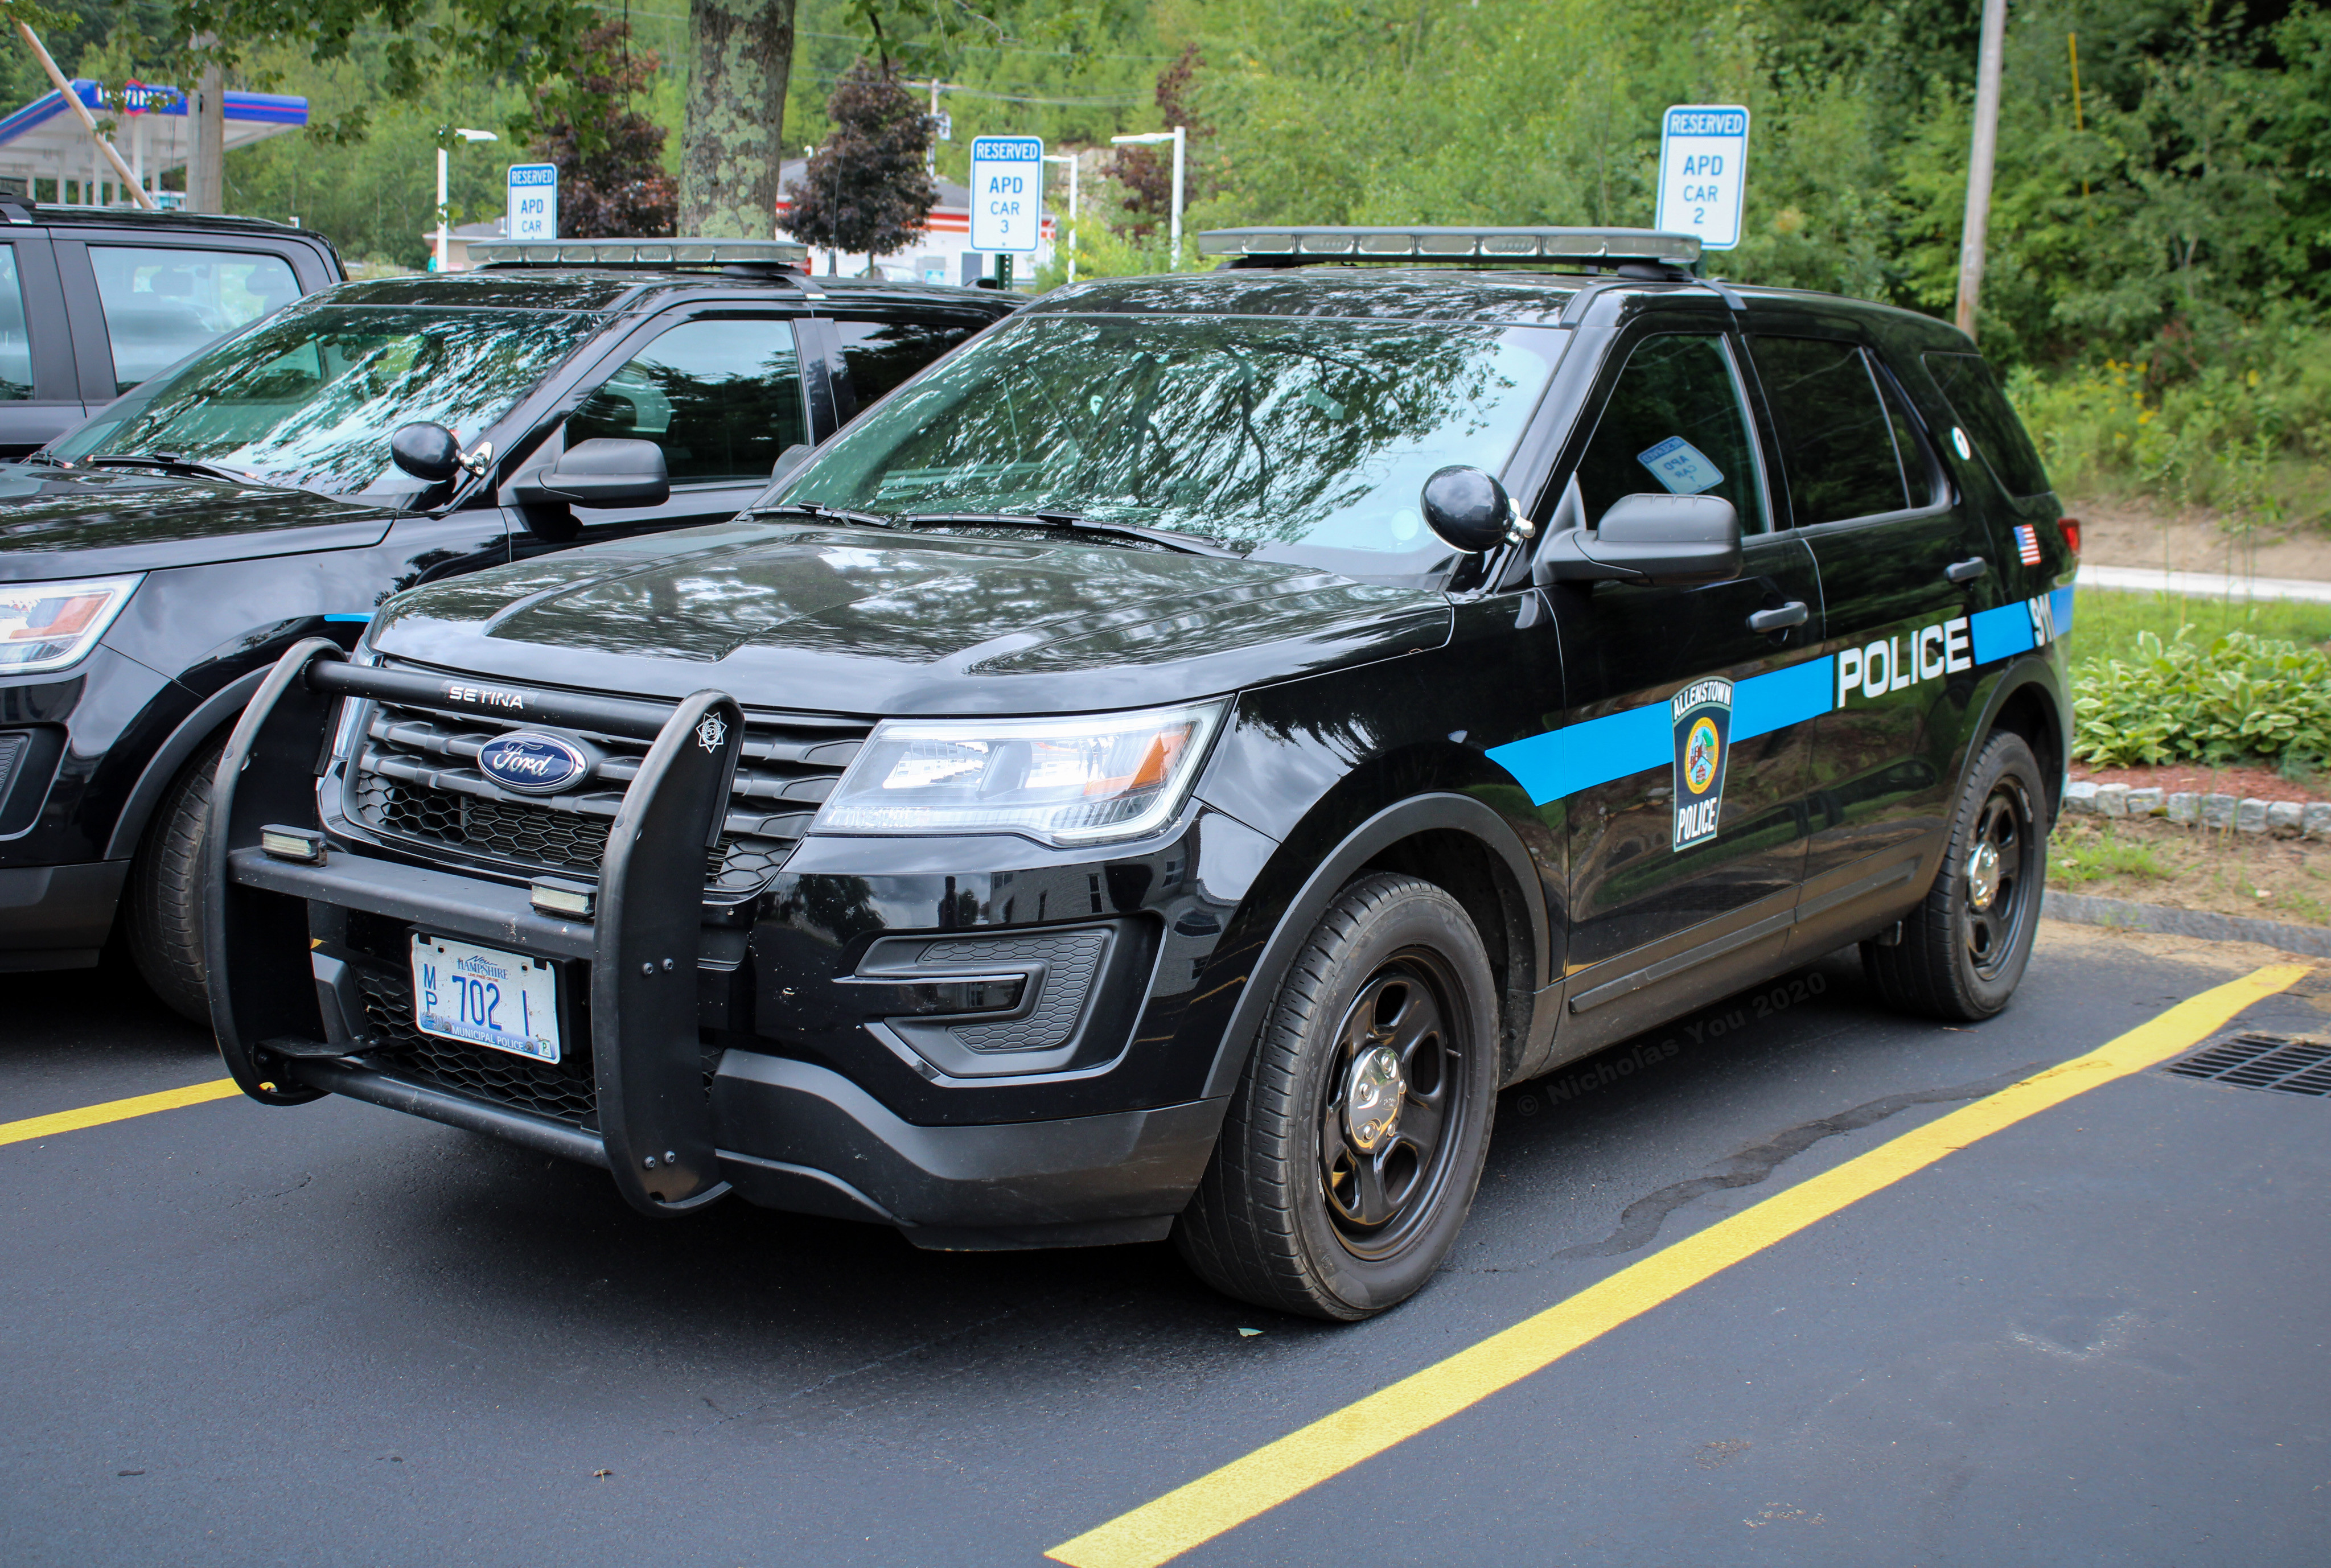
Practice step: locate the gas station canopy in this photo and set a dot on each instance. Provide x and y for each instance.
(44, 140)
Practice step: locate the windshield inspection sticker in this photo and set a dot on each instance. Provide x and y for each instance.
(1702, 714)
(1681, 466)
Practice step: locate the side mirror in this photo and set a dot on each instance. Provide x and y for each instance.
(1470, 511)
(604, 471)
(427, 452)
(792, 458)
(1649, 538)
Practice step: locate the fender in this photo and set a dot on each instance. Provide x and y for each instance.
(2027, 669)
(1415, 815)
(210, 716)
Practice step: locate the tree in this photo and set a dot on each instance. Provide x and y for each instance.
(1147, 173)
(733, 139)
(866, 189)
(611, 178)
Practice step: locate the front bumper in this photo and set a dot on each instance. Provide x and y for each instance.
(665, 1085)
(57, 916)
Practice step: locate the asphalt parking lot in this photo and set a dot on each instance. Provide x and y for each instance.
(335, 1335)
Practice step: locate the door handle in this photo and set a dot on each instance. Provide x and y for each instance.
(1792, 614)
(1966, 571)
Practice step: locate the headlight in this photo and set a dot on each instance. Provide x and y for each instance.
(48, 625)
(1065, 780)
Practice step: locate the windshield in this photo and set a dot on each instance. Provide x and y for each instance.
(311, 397)
(1268, 436)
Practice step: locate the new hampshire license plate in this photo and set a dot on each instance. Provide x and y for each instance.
(485, 996)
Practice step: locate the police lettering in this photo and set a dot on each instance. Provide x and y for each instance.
(1896, 664)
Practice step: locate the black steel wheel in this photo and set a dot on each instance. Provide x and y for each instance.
(1352, 1147)
(1963, 949)
(1385, 1125)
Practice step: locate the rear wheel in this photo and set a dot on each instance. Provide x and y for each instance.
(1963, 949)
(1350, 1153)
(164, 907)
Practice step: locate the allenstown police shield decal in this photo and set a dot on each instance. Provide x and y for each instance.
(1702, 712)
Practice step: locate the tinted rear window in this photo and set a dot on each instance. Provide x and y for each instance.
(1982, 412)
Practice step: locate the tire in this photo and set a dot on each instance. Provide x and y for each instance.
(1310, 1203)
(165, 913)
(1963, 949)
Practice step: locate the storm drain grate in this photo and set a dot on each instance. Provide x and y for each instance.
(2262, 1061)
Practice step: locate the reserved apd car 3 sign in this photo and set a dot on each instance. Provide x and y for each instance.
(1702, 713)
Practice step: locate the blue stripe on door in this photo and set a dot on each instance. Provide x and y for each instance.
(1781, 697)
(2060, 602)
(1562, 762)
(2002, 632)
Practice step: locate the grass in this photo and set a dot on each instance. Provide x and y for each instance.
(2151, 862)
(2106, 623)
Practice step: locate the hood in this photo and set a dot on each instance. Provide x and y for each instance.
(88, 522)
(860, 621)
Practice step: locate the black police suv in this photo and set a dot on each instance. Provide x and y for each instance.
(1168, 766)
(94, 300)
(155, 563)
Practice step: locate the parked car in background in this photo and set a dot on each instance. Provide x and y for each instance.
(155, 562)
(93, 301)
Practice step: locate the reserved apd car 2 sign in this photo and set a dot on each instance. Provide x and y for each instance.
(1007, 193)
(1703, 166)
(533, 201)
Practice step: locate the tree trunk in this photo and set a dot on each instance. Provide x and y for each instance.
(206, 169)
(734, 141)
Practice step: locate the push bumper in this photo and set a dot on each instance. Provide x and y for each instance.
(675, 1126)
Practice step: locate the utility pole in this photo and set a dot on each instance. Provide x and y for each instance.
(1069, 159)
(1981, 154)
(89, 121)
(1178, 137)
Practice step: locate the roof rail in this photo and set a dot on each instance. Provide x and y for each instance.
(784, 253)
(1292, 247)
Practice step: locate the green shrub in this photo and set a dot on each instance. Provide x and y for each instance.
(2238, 698)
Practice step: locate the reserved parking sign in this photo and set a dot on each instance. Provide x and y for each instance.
(1007, 193)
(1703, 167)
(533, 201)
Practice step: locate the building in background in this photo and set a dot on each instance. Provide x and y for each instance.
(44, 144)
(942, 253)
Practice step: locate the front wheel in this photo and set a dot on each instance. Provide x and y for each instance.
(164, 912)
(1963, 949)
(1358, 1134)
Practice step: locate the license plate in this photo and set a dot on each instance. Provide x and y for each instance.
(505, 1000)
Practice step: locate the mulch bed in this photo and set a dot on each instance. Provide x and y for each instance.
(2244, 783)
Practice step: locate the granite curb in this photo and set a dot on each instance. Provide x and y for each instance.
(2242, 813)
(2082, 909)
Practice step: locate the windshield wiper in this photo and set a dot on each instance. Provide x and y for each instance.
(821, 510)
(170, 462)
(1069, 522)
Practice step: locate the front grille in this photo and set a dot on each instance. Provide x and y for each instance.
(563, 1090)
(415, 779)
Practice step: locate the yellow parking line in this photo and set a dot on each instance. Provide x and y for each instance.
(168, 1099)
(1159, 1531)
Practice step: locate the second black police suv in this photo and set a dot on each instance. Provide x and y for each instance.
(1166, 768)
(157, 560)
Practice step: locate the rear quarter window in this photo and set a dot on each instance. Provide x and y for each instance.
(1982, 411)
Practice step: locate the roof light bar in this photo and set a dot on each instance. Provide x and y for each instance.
(637, 252)
(1593, 245)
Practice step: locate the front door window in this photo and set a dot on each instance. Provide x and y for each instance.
(722, 398)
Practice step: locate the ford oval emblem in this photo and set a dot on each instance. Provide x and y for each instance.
(532, 763)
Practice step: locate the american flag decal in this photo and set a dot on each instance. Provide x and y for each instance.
(2026, 544)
